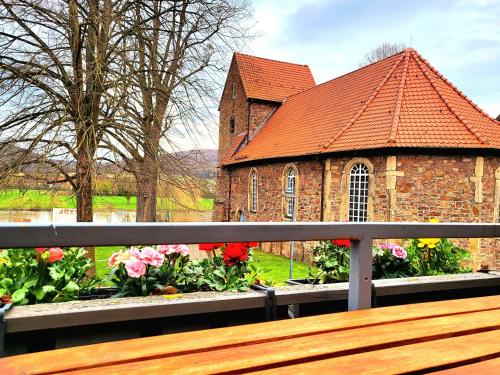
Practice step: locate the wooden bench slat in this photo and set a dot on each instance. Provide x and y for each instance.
(191, 342)
(324, 345)
(488, 367)
(409, 358)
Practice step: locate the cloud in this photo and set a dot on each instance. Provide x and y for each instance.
(460, 38)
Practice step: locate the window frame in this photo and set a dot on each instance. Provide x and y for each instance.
(358, 192)
(290, 191)
(232, 124)
(253, 187)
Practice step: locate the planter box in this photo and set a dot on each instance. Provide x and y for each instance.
(58, 325)
(389, 287)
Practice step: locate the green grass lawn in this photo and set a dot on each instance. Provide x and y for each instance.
(41, 199)
(273, 269)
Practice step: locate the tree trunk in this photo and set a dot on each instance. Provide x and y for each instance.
(147, 186)
(84, 210)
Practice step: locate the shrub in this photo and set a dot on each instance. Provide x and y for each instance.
(390, 261)
(332, 260)
(433, 256)
(142, 271)
(35, 275)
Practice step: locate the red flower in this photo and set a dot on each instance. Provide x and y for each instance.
(55, 254)
(40, 250)
(251, 244)
(342, 243)
(234, 253)
(210, 246)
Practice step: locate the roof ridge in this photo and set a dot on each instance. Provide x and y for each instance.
(456, 89)
(343, 75)
(397, 111)
(363, 108)
(453, 110)
(267, 59)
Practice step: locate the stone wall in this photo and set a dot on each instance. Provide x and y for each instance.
(402, 188)
(249, 114)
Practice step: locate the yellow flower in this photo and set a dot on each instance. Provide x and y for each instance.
(3, 260)
(428, 242)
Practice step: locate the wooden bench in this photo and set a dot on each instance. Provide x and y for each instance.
(457, 336)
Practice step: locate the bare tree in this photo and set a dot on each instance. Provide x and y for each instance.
(381, 52)
(53, 64)
(168, 72)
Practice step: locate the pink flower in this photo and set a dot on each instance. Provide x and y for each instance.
(173, 249)
(116, 258)
(41, 250)
(135, 267)
(151, 256)
(134, 252)
(162, 249)
(399, 252)
(55, 254)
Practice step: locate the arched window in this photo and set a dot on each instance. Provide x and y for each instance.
(290, 192)
(358, 192)
(232, 124)
(253, 191)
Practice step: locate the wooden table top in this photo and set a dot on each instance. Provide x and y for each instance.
(456, 336)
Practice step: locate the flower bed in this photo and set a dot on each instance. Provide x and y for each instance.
(416, 257)
(38, 275)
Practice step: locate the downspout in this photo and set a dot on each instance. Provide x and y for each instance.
(229, 196)
(321, 198)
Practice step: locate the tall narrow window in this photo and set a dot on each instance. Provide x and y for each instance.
(233, 93)
(290, 192)
(253, 191)
(358, 192)
(232, 124)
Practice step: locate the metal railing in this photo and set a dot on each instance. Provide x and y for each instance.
(360, 234)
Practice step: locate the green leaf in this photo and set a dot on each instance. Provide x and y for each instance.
(48, 288)
(71, 287)
(55, 274)
(39, 294)
(30, 282)
(18, 295)
(220, 273)
(7, 283)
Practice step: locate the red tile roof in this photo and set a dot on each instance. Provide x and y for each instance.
(401, 101)
(272, 80)
(233, 148)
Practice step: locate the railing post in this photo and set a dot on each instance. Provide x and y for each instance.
(360, 275)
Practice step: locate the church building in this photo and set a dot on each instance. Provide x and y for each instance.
(392, 141)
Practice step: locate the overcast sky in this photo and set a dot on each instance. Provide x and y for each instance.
(459, 38)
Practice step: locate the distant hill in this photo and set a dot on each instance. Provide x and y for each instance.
(202, 162)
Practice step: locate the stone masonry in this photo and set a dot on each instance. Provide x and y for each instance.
(452, 186)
